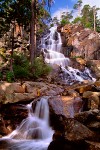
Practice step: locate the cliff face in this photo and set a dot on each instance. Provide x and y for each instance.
(79, 41)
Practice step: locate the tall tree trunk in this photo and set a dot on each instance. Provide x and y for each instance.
(11, 59)
(94, 12)
(33, 32)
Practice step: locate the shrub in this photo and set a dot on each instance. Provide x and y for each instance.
(20, 72)
(40, 68)
(21, 66)
(75, 57)
(10, 76)
(64, 22)
(20, 59)
(0, 75)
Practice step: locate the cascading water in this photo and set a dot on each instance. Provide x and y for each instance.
(51, 47)
(34, 133)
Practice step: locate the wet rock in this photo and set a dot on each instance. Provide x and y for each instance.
(3, 130)
(4, 144)
(11, 117)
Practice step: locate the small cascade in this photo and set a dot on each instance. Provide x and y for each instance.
(34, 133)
(51, 48)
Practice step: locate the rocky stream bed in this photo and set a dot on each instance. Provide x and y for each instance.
(74, 111)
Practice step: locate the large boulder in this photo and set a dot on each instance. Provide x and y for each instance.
(65, 105)
(75, 131)
(72, 135)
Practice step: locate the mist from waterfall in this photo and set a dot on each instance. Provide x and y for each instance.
(52, 50)
(34, 132)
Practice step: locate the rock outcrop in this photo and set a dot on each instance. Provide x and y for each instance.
(79, 41)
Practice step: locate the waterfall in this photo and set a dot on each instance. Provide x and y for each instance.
(51, 48)
(34, 132)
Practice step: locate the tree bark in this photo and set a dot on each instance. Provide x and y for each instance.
(33, 32)
(12, 49)
(94, 18)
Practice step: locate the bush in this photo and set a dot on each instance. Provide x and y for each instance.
(64, 22)
(20, 72)
(0, 75)
(21, 66)
(10, 76)
(23, 70)
(40, 68)
(20, 59)
(75, 57)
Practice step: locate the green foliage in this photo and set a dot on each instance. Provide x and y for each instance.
(78, 4)
(98, 25)
(23, 69)
(77, 20)
(0, 75)
(74, 57)
(65, 18)
(40, 68)
(88, 25)
(55, 21)
(40, 31)
(51, 25)
(15, 10)
(10, 76)
(64, 22)
(88, 17)
(20, 59)
(21, 66)
(21, 72)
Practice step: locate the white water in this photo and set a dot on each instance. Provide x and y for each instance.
(51, 47)
(34, 133)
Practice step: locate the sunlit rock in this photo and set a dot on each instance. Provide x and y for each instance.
(65, 105)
